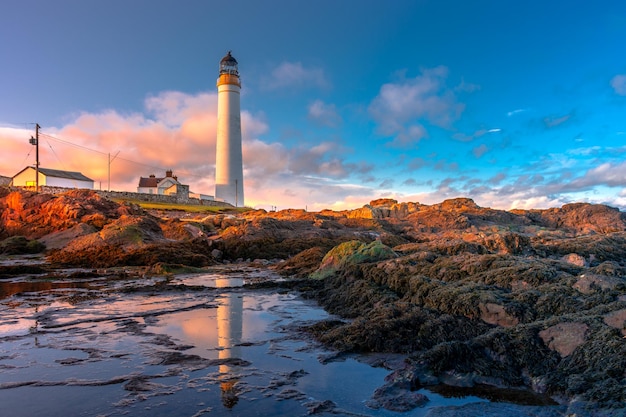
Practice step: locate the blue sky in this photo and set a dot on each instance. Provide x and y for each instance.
(516, 104)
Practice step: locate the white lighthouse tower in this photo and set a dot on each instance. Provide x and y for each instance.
(228, 158)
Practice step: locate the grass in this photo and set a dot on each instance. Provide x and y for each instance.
(189, 208)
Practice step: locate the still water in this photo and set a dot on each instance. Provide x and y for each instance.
(194, 345)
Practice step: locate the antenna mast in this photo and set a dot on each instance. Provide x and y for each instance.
(35, 141)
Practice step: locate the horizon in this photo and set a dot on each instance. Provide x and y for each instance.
(511, 104)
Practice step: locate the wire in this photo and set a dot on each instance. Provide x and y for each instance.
(24, 161)
(186, 173)
(57, 156)
(72, 144)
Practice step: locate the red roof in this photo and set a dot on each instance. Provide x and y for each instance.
(150, 182)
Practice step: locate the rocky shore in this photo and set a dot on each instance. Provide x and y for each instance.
(529, 300)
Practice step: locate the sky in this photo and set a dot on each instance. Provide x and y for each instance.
(514, 104)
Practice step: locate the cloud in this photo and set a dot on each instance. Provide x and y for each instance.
(416, 163)
(553, 121)
(619, 84)
(401, 108)
(462, 137)
(608, 174)
(516, 111)
(295, 75)
(480, 150)
(443, 165)
(324, 114)
(173, 108)
(409, 136)
(497, 179)
(386, 184)
(465, 87)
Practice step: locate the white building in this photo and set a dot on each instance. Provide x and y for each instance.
(167, 185)
(51, 178)
(228, 156)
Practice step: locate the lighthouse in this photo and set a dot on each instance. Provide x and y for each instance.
(228, 158)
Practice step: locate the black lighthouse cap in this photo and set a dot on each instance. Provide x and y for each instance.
(228, 58)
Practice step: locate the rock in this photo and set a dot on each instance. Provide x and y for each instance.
(575, 259)
(617, 319)
(496, 314)
(352, 253)
(507, 242)
(302, 264)
(396, 397)
(487, 409)
(319, 407)
(19, 245)
(589, 283)
(35, 215)
(564, 337)
(520, 298)
(60, 239)
(582, 218)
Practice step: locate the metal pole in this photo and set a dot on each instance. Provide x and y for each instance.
(37, 157)
(110, 161)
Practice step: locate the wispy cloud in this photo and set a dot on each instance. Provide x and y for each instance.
(464, 137)
(516, 111)
(295, 75)
(554, 121)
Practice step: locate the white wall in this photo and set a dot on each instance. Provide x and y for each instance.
(228, 160)
(27, 179)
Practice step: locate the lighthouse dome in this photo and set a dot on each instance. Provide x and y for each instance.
(228, 65)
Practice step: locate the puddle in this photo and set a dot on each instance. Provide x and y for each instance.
(222, 350)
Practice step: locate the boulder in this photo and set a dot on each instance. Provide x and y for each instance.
(352, 253)
(590, 283)
(617, 319)
(575, 259)
(564, 337)
(496, 314)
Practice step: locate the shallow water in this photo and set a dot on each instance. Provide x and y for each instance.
(199, 345)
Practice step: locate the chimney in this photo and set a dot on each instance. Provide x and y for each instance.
(168, 173)
(152, 176)
(175, 177)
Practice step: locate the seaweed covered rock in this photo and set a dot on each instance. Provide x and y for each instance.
(530, 304)
(19, 245)
(352, 253)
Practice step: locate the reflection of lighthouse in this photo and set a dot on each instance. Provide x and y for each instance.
(228, 158)
(229, 333)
